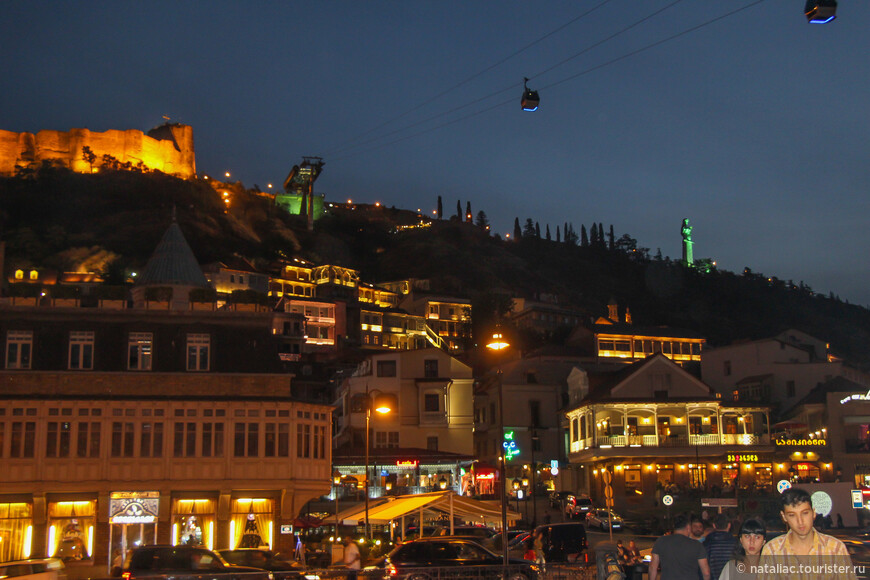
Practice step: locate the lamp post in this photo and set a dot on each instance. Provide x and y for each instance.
(498, 344)
(383, 406)
(534, 473)
(336, 481)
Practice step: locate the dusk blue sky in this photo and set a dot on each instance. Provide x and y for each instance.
(755, 127)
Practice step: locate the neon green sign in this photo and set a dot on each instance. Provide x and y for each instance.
(510, 446)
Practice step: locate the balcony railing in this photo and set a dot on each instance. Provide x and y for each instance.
(701, 440)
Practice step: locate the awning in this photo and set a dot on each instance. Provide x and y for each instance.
(392, 508)
(790, 425)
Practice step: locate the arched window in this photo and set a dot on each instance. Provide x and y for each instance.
(19, 274)
(34, 275)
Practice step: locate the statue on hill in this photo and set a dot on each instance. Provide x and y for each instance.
(688, 252)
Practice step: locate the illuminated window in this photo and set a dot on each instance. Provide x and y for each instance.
(139, 347)
(198, 346)
(34, 275)
(19, 344)
(81, 350)
(19, 274)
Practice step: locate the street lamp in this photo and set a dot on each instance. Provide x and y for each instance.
(336, 482)
(498, 343)
(383, 404)
(442, 483)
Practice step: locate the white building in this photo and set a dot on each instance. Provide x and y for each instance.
(780, 370)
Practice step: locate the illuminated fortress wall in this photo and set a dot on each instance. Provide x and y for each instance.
(167, 148)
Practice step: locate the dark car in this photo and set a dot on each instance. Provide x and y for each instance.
(185, 561)
(264, 560)
(487, 537)
(430, 558)
(563, 542)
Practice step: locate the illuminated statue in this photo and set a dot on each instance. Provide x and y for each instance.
(688, 253)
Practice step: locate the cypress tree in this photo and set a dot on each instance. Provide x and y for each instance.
(468, 212)
(440, 209)
(558, 237)
(537, 230)
(584, 239)
(610, 238)
(548, 233)
(518, 233)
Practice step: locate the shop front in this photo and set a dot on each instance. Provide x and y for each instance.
(16, 530)
(194, 521)
(252, 522)
(71, 526)
(132, 520)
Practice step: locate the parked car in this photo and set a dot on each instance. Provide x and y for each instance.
(563, 542)
(577, 506)
(440, 557)
(557, 498)
(35, 569)
(163, 560)
(487, 537)
(602, 519)
(265, 560)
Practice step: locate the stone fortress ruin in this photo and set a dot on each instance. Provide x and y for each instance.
(167, 148)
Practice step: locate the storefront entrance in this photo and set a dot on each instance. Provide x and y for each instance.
(133, 519)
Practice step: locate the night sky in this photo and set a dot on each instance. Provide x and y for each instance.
(755, 126)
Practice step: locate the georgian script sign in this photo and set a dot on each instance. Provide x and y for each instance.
(803, 442)
(134, 507)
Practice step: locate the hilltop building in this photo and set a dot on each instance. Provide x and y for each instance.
(167, 148)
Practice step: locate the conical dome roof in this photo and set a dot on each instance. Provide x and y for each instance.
(173, 262)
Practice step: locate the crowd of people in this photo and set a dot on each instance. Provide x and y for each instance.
(802, 552)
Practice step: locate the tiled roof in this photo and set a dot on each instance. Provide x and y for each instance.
(172, 262)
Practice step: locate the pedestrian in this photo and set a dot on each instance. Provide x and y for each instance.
(750, 540)
(351, 558)
(538, 546)
(696, 528)
(802, 539)
(681, 557)
(720, 545)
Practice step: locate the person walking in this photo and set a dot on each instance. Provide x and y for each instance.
(750, 540)
(680, 556)
(719, 544)
(803, 540)
(538, 546)
(352, 560)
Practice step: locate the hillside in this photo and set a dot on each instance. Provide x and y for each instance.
(58, 219)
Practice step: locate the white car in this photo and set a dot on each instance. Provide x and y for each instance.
(35, 569)
(602, 519)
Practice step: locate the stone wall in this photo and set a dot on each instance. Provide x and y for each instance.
(167, 148)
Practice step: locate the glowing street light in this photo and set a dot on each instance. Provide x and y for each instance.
(498, 344)
(383, 404)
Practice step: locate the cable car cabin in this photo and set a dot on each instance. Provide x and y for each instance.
(820, 11)
(530, 100)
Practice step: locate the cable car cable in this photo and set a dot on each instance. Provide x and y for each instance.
(344, 145)
(512, 87)
(581, 73)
